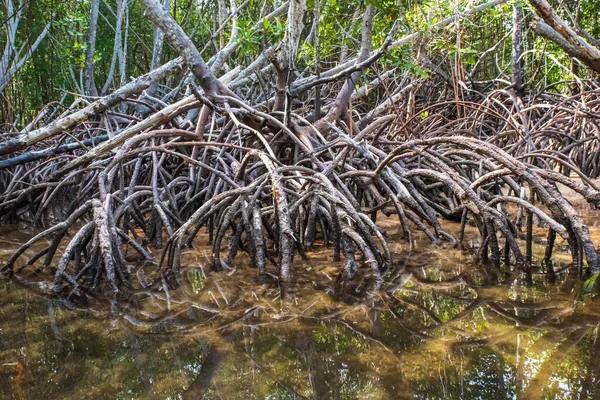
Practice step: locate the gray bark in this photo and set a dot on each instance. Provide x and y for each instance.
(123, 51)
(184, 46)
(564, 35)
(97, 107)
(286, 58)
(117, 49)
(517, 50)
(546, 31)
(88, 69)
(11, 32)
(341, 102)
(158, 46)
(12, 60)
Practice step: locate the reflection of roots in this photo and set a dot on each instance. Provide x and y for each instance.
(274, 191)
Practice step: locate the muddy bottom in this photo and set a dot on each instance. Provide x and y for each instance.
(441, 327)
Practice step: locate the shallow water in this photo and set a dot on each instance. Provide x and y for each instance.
(444, 329)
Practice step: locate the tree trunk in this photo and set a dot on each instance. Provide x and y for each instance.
(97, 107)
(11, 63)
(517, 50)
(88, 69)
(158, 46)
(341, 102)
(316, 19)
(123, 52)
(557, 30)
(117, 48)
(286, 59)
(184, 45)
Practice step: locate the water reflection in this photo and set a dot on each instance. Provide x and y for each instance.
(441, 327)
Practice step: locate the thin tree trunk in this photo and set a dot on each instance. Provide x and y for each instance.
(90, 85)
(517, 50)
(184, 46)
(117, 48)
(316, 19)
(158, 46)
(222, 15)
(556, 29)
(11, 63)
(123, 50)
(6, 77)
(11, 32)
(286, 59)
(341, 102)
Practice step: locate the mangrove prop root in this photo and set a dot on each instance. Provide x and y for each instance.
(278, 185)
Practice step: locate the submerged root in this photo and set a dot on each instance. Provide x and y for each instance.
(91, 256)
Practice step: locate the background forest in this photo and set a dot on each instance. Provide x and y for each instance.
(53, 46)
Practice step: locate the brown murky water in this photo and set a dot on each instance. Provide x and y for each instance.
(445, 329)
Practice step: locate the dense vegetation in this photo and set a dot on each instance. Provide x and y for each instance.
(277, 127)
(483, 44)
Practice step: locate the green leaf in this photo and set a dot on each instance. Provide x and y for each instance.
(589, 285)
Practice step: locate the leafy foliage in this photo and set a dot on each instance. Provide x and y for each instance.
(56, 67)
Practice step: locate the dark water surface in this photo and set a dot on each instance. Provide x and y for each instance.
(445, 328)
